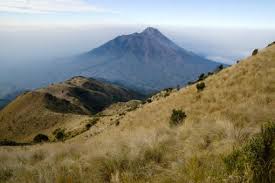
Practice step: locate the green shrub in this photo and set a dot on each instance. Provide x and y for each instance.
(255, 52)
(168, 89)
(177, 117)
(149, 100)
(219, 68)
(210, 73)
(40, 138)
(200, 86)
(202, 77)
(256, 156)
(117, 123)
(88, 126)
(59, 134)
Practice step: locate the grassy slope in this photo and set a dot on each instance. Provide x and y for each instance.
(31, 117)
(66, 105)
(232, 107)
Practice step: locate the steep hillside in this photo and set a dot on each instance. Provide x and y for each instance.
(206, 140)
(58, 105)
(146, 61)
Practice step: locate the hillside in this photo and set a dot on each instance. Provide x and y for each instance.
(146, 61)
(6, 99)
(57, 105)
(142, 146)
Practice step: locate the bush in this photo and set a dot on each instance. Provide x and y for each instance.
(255, 52)
(256, 157)
(219, 68)
(202, 77)
(177, 117)
(59, 134)
(92, 123)
(88, 126)
(210, 73)
(149, 100)
(200, 86)
(40, 138)
(168, 91)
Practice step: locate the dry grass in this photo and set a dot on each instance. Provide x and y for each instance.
(31, 116)
(143, 148)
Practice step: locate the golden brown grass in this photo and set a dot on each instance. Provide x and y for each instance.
(143, 148)
(27, 115)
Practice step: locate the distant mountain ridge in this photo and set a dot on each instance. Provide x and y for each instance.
(146, 61)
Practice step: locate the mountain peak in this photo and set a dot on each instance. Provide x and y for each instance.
(137, 55)
(151, 30)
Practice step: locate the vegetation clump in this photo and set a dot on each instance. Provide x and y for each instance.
(88, 126)
(255, 52)
(168, 91)
(210, 73)
(200, 86)
(5, 174)
(92, 123)
(202, 77)
(59, 134)
(131, 169)
(254, 162)
(149, 100)
(40, 138)
(177, 117)
(7, 143)
(219, 68)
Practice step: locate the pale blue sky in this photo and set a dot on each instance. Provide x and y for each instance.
(205, 13)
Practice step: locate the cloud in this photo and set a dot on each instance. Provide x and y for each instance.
(49, 6)
(219, 59)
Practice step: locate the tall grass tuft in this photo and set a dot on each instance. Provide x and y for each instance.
(254, 162)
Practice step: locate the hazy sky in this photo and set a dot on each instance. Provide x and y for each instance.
(240, 13)
(37, 30)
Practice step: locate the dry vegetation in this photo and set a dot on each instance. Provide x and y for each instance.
(142, 147)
